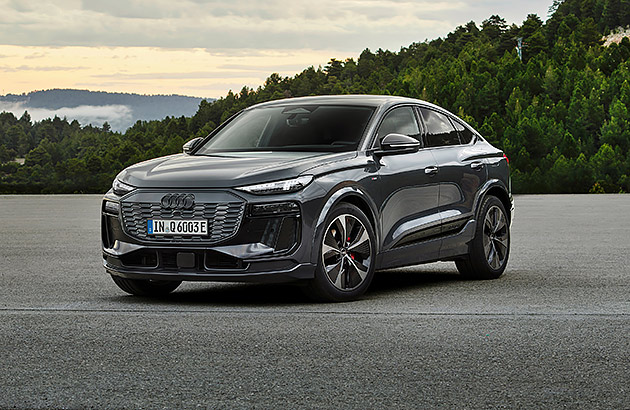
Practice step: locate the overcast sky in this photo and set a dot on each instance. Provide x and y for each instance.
(206, 47)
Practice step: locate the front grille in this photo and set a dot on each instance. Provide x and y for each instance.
(223, 220)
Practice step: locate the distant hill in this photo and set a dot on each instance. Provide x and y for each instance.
(120, 110)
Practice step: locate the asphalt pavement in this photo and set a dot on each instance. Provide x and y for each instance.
(553, 332)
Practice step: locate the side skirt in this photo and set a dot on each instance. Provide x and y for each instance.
(441, 248)
(457, 244)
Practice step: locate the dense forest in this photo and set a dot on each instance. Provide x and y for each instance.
(559, 108)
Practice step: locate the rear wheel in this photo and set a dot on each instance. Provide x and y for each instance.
(489, 250)
(146, 287)
(346, 256)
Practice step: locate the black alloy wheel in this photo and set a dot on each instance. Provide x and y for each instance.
(490, 249)
(346, 260)
(495, 237)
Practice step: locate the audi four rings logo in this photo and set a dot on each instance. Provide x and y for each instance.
(178, 201)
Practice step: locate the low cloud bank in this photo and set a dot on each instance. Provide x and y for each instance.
(119, 117)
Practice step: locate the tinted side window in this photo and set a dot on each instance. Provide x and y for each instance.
(465, 134)
(399, 121)
(440, 131)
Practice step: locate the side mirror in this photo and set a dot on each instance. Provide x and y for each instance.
(397, 144)
(191, 144)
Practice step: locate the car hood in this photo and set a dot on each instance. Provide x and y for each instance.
(225, 169)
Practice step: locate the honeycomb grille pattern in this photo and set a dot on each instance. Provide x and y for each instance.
(224, 220)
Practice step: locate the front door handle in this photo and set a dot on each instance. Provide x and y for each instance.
(431, 170)
(476, 166)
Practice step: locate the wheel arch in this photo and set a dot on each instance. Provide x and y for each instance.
(496, 189)
(360, 203)
(351, 195)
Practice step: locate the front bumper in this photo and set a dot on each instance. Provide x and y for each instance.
(268, 272)
(265, 247)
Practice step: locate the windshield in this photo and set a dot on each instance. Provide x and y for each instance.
(319, 128)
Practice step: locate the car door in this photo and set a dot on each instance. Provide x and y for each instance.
(409, 212)
(461, 169)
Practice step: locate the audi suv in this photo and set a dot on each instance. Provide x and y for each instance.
(323, 190)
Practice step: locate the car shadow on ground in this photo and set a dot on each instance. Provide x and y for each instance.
(398, 280)
(255, 294)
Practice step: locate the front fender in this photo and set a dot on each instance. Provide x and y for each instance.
(340, 195)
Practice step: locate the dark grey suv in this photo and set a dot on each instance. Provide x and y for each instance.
(323, 190)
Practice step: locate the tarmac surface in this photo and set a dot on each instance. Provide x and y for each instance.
(553, 332)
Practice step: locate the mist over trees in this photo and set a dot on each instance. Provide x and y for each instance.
(121, 110)
(560, 113)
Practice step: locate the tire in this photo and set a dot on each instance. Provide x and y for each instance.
(146, 287)
(489, 251)
(346, 256)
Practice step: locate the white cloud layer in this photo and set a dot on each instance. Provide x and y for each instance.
(273, 24)
(206, 47)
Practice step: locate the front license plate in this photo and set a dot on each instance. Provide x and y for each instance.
(177, 227)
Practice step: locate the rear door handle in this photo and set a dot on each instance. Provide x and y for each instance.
(431, 170)
(476, 165)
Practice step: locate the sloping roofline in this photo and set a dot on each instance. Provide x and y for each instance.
(351, 99)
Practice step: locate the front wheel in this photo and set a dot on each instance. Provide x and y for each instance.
(489, 251)
(146, 287)
(347, 249)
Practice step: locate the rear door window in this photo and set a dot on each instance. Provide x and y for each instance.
(465, 133)
(440, 131)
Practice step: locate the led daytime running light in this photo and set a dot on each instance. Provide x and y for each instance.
(277, 187)
(120, 188)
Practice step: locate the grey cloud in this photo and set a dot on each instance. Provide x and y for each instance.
(236, 52)
(20, 5)
(512, 11)
(264, 68)
(170, 75)
(241, 24)
(234, 86)
(133, 9)
(8, 69)
(34, 56)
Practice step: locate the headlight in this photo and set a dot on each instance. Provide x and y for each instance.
(278, 187)
(120, 188)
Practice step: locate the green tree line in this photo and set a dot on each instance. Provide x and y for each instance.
(559, 111)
